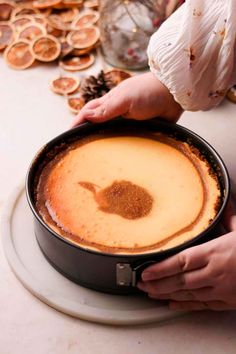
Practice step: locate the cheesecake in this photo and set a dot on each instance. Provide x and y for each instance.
(128, 193)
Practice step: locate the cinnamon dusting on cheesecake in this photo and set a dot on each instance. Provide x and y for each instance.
(122, 198)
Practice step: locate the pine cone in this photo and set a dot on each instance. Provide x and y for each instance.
(95, 86)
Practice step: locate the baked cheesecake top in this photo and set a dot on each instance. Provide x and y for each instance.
(128, 193)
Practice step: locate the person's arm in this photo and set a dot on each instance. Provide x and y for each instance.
(192, 56)
(194, 53)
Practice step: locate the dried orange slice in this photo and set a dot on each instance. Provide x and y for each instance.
(54, 32)
(77, 63)
(44, 4)
(75, 104)
(91, 4)
(46, 48)
(116, 76)
(6, 34)
(56, 22)
(72, 3)
(24, 10)
(40, 19)
(83, 37)
(65, 85)
(66, 15)
(18, 55)
(31, 31)
(45, 12)
(79, 52)
(6, 8)
(21, 21)
(85, 19)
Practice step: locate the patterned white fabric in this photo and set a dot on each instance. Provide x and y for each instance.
(193, 53)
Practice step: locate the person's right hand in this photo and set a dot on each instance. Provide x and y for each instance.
(140, 97)
(200, 277)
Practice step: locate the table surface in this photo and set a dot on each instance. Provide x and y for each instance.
(30, 115)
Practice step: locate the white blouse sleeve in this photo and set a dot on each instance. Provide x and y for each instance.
(194, 52)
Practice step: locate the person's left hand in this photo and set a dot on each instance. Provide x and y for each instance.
(139, 97)
(201, 277)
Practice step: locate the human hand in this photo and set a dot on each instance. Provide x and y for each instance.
(140, 97)
(201, 277)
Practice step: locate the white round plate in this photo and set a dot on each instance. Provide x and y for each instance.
(47, 284)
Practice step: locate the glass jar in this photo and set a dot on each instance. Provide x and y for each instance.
(126, 27)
